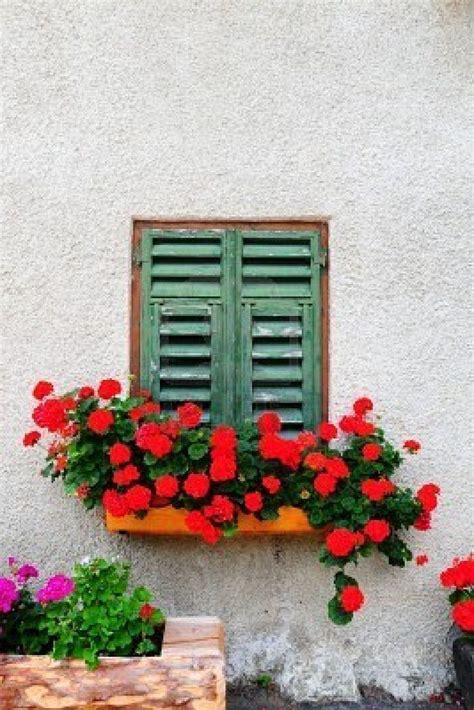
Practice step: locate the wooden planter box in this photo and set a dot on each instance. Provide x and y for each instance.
(170, 521)
(189, 674)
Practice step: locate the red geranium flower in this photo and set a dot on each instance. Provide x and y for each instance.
(197, 485)
(272, 446)
(337, 468)
(100, 421)
(50, 414)
(189, 415)
(376, 490)
(306, 440)
(463, 615)
(269, 423)
(167, 486)
(195, 521)
(421, 560)
(351, 599)
(86, 392)
(221, 509)
(316, 461)
(371, 452)
(138, 498)
(31, 438)
(362, 405)
(68, 403)
(412, 446)
(108, 389)
(327, 431)
(143, 410)
(460, 574)
(126, 475)
(42, 389)
(146, 612)
(60, 463)
(224, 437)
(223, 468)
(427, 495)
(363, 428)
(210, 533)
(119, 453)
(253, 501)
(272, 484)
(377, 530)
(115, 503)
(347, 424)
(341, 541)
(324, 484)
(423, 522)
(171, 428)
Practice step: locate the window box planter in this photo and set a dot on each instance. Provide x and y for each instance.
(189, 673)
(170, 521)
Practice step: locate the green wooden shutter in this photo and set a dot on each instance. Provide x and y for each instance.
(279, 314)
(231, 320)
(182, 318)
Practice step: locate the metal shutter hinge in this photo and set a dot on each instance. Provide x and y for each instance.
(323, 257)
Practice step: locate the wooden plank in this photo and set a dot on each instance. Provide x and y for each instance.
(193, 635)
(277, 373)
(180, 269)
(268, 288)
(189, 673)
(276, 251)
(179, 327)
(275, 328)
(185, 394)
(185, 350)
(177, 250)
(281, 271)
(277, 394)
(183, 372)
(277, 351)
(170, 521)
(185, 288)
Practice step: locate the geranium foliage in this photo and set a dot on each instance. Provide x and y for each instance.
(124, 453)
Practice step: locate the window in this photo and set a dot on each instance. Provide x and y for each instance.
(232, 317)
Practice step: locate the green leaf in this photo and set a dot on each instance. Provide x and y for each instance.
(197, 451)
(337, 614)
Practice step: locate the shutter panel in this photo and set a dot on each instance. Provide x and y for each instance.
(279, 324)
(182, 318)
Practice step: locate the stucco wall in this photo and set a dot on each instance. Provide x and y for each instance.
(353, 109)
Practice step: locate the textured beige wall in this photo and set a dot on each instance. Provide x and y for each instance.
(356, 109)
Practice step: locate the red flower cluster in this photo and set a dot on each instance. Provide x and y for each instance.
(327, 431)
(149, 437)
(286, 451)
(460, 574)
(421, 560)
(119, 454)
(371, 451)
(42, 389)
(332, 469)
(167, 486)
(269, 423)
(220, 510)
(377, 489)
(350, 424)
(253, 501)
(463, 615)
(100, 420)
(189, 415)
(351, 599)
(31, 438)
(109, 388)
(377, 530)
(428, 497)
(135, 500)
(272, 484)
(198, 523)
(223, 454)
(341, 542)
(306, 440)
(146, 611)
(50, 414)
(197, 485)
(143, 410)
(125, 476)
(412, 446)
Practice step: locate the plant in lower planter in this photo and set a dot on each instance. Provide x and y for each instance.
(82, 616)
(460, 578)
(122, 451)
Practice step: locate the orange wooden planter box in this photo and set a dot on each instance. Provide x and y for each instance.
(188, 674)
(170, 521)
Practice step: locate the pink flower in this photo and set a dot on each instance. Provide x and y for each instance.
(56, 588)
(25, 573)
(8, 594)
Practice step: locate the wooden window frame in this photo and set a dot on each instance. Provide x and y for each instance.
(139, 225)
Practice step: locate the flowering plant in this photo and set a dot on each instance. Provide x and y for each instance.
(80, 616)
(460, 578)
(125, 453)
